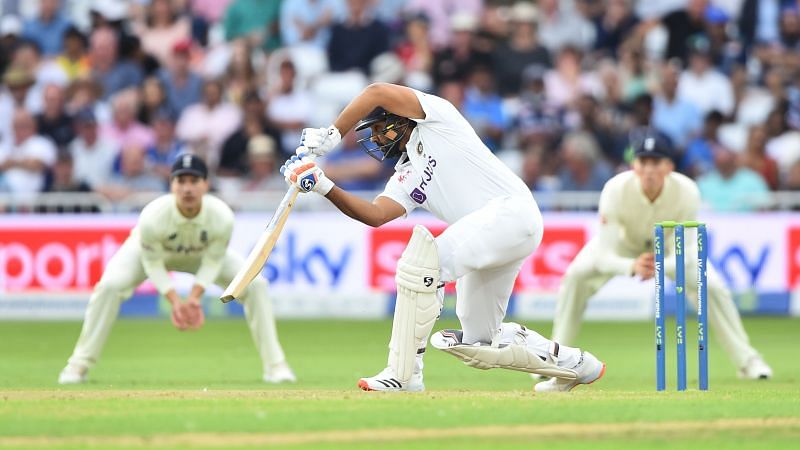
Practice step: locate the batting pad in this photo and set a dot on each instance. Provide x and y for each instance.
(417, 305)
(508, 356)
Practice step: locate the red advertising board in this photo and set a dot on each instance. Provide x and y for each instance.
(57, 257)
(793, 258)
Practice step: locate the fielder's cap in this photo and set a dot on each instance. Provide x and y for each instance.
(189, 164)
(649, 143)
(85, 115)
(10, 25)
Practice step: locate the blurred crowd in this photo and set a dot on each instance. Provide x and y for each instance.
(101, 95)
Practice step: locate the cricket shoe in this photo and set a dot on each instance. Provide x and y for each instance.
(589, 369)
(73, 374)
(755, 369)
(386, 381)
(279, 373)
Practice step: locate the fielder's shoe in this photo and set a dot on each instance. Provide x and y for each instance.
(589, 368)
(386, 381)
(73, 374)
(755, 369)
(280, 373)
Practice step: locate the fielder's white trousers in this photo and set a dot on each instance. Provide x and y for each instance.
(484, 252)
(582, 280)
(125, 272)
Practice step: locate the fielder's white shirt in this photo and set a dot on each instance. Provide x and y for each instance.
(448, 170)
(627, 217)
(169, 240)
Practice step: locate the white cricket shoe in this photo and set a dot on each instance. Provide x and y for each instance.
(386, 381)
(755, 369)
(73, 374)
(280, 373)
(589, 369)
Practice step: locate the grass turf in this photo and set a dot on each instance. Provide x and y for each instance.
(157, 388)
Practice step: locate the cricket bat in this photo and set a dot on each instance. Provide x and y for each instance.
(260, 253)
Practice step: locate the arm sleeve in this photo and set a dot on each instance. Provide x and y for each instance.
(607, 260)
(395, 192)
(211, 263)
(153, 256)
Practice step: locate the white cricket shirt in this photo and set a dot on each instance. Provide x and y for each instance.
(448, 170)
(169, 240)
(627, 217)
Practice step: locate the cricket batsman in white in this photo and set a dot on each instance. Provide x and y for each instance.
(630, 204)
(185, 231)
(494, 224)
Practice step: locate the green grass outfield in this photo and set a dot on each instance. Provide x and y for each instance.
(159, 388)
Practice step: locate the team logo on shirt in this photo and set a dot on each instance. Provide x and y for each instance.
(419, 148)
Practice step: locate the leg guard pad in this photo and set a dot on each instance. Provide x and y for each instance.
(417, 305)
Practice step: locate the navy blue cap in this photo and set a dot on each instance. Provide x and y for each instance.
(649, 143)
(189, 164)
(85, 115)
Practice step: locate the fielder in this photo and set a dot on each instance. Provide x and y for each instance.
(495, 224)
(630, 204)
(185, 231)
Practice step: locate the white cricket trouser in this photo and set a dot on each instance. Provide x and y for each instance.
(582, 280)
(125, 272)
(484, 251)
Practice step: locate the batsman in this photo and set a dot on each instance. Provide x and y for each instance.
(494, 225)
(185, 231)
(630, 204)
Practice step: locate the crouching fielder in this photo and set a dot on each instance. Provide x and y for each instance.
(494, 223)
(185, 231)
(630, 204)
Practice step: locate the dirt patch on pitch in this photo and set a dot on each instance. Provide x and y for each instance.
(669, 429)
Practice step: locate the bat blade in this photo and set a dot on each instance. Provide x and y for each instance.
(260, 253)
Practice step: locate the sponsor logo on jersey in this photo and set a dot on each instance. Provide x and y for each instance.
(418, 194)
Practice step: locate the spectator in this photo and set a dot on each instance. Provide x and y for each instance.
(731, 187)
(162, 28)
(357, 39)
(561, 25)
(725, 52)
(597, 123)
(204, 126)
(87, 94)
(54, 122)
(308, 22)
(520, 50)
(784, 142)
(133, 176)
(758, 21)
(93, 157)
(676, 117)
(702, 85)
(256, 20)
(583, 169)
(124, 130)
(537, 119)
(352, 169)
(74, 60)
(47, 29)
(234, 160)
(289, 107)
(16, 95)
(183, 86)
(416, 50)
(440, 13)
(28, 58)
(241, 75)
(154, 99)
(61, 178)
(755, 157)
(263, 174)
(114, 74)
(456, 61)
(635, 78)
(204, 14)
(752, 103)
(567, 82)
(25, 157)
(699, 156)
(792, 178)
(166, 148)
(682, 25)
(613, 27)
(483, 108)
(10, 30)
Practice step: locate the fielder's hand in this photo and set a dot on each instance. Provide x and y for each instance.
(320, 141)
(645, 266)
(188, 315)
(305, 175)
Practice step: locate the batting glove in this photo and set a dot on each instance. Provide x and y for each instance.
(302, 173)
(320, 141)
